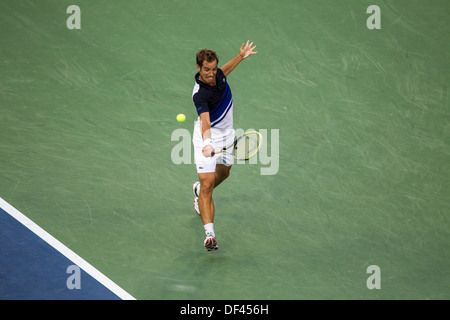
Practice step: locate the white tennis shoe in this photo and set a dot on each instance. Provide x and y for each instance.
(196, 189)
(210, 242)
(196, 192)
(196, 205)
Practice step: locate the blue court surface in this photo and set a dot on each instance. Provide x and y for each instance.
(36, 266)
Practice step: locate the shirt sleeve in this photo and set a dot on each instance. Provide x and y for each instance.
(200, 103)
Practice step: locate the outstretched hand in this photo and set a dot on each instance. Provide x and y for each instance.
(247, 50)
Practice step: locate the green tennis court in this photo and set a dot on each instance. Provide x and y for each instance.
(358, 134)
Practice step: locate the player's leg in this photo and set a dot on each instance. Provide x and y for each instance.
(206, 169)
(208, 181)
(210, 174)
(205, 197)
(206, 206)
(224, 162)
(222, 172)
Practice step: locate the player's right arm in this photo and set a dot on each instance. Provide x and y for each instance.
(205, 127)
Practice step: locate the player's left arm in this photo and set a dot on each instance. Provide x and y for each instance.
(244, 52)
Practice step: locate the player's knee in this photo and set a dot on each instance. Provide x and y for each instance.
(224, 173)
(206, 185)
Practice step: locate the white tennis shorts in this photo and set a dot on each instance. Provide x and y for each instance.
(220, 139)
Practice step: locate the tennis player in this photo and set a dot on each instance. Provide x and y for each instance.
(213, 130)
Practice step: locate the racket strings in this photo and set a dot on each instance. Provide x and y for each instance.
(247, 146)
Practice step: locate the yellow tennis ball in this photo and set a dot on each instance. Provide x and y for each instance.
(181, 117)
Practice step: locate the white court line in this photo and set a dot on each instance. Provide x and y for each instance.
(44, 235)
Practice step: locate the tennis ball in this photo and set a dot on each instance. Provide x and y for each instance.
(181, 117)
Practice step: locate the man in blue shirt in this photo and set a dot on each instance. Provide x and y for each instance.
(213, 130)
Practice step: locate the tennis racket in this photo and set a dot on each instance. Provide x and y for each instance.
(244, 147)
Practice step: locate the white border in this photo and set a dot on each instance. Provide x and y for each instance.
(76, 259)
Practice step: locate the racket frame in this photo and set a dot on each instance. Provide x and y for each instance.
(233, 145)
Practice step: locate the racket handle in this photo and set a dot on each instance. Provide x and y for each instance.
(212, 153)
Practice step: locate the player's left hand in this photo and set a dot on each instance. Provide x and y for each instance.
(247, 50)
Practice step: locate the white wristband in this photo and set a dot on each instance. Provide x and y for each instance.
(206, 142)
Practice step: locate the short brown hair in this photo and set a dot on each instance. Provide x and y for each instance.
(206, 54)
